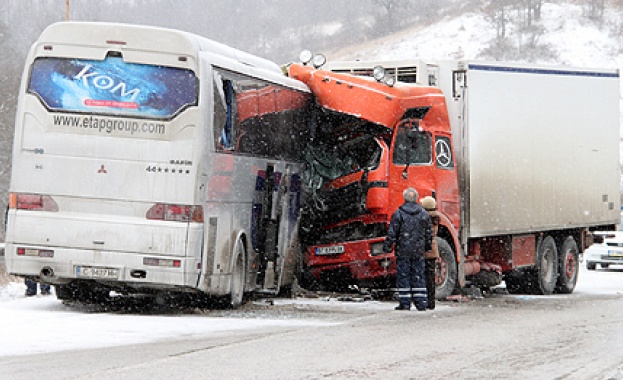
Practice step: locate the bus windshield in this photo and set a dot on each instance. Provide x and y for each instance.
(112, 87)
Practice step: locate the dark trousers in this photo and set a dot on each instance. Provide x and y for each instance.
(31, 287)
(430, 282)
(410, 281)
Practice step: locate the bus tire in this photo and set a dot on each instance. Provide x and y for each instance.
(238, 270)
(546, 267)
(67, 292)
(569, 266)
(445, 270)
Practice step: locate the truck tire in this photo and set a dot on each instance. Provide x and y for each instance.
(445, 270)
(569, 266)
(546, 267)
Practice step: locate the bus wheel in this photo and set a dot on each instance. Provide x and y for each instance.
(445, 270)
(236, 291)
(569, 266)
(546, 266)
(68, 292)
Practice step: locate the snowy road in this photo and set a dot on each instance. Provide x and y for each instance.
(575, 336)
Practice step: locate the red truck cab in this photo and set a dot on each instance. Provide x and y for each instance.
(370, 142)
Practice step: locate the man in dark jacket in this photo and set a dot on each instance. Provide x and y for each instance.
(410, 232)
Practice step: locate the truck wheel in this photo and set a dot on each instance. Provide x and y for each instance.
(445, 270)
(546, 267)
(569, 266)
(236, 290)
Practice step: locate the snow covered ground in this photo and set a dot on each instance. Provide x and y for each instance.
(43, 324)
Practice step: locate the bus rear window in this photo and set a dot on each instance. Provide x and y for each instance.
(112, 86)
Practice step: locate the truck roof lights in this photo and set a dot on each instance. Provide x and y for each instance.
(378, 73)
(306, 56)
(383, 76)
(317, 60)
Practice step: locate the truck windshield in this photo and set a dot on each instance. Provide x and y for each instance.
(327, 162)
(112, 87)
(342, 144)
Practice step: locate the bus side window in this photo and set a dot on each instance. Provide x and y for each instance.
(224, 113)
(226, 135)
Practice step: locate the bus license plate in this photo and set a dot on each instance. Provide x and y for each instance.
(333, 250)
(95, 272)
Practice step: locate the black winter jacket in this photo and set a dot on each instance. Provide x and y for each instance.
(410, 231)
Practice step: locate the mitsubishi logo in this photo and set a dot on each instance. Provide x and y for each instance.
(443, 152)
(102, 170)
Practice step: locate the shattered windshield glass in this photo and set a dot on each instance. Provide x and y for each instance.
(342, 145)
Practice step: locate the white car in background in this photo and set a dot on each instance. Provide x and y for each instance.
(605, 253)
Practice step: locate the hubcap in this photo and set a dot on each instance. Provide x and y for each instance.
(570, 265)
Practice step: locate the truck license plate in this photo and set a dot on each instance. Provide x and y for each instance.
(96, 272)
(333, 250)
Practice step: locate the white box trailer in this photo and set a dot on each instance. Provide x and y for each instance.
(538, 147)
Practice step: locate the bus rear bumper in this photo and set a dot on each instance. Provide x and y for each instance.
(59, 266)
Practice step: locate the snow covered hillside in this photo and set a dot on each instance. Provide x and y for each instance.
(576, 40)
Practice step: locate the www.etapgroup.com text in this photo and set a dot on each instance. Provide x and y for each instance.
(106, 125)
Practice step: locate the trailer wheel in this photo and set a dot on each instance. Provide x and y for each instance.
(236, 292)
(546, 267)
(445, 270)
(569, 266)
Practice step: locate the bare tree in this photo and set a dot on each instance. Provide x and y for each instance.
(523, 43)
(596, 9)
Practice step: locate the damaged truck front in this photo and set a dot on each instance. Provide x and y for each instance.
(370, 141)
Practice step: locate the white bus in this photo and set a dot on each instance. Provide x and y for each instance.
(150, 160)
